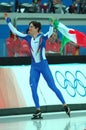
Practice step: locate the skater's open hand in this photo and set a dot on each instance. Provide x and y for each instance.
(6, 15)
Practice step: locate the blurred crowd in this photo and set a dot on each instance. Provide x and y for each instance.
(78, 6)
(44, 6)
(17, 47)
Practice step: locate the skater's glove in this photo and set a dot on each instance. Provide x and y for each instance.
(56, 23)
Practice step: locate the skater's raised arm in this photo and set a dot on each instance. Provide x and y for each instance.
(50, 32)
(12, 28)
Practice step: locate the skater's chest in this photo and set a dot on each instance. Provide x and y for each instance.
(35, 43)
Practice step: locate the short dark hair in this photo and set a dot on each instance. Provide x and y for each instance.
(36, 25)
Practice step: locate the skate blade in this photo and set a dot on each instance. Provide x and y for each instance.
(36, 118)
(69, 114)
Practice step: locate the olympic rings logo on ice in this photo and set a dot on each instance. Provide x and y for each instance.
(73, 83)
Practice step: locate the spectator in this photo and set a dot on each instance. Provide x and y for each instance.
(17, 6)
(24, 46)
(83, 7)
(44, 6)
(71, 49)
(57, 2)
(53, 44)
(51, 7)
(16, 47)
(78, 6)
(13, 44)
(58, 6)
(72, 8)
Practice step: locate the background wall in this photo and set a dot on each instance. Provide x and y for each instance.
(21, 21)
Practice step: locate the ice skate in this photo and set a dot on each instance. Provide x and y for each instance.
(37, 115)
(67, 109)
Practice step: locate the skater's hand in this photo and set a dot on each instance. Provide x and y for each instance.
(7, 18)
(51, 21)
(6, 15)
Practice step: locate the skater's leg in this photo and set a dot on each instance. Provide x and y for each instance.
(34, 78)
(52, 85)
(50, 81)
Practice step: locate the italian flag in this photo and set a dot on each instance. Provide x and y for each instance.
(73, 35)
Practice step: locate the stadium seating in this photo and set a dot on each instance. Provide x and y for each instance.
(27, 5)
(6, 6)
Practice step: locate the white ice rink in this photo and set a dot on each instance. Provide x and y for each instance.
(50, 121)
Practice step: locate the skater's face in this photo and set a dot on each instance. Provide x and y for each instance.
(32, 29)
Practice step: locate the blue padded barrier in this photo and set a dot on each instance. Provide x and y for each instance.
(82, 51)
(4, 31)
(22, 28)
(3, 50)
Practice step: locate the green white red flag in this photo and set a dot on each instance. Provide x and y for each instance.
(79, 38)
